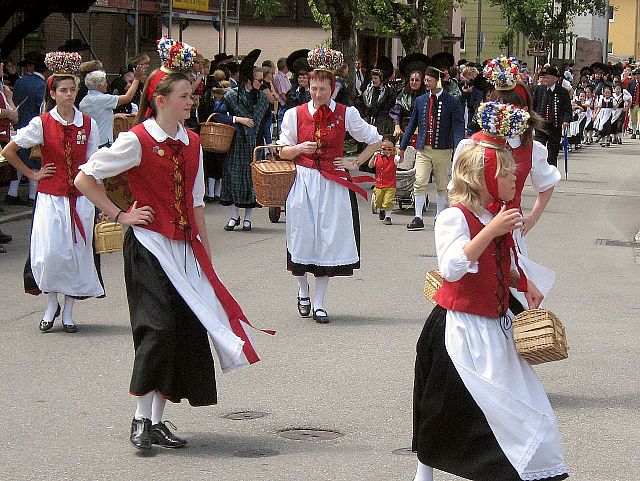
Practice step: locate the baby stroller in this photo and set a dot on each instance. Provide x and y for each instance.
(405, 177)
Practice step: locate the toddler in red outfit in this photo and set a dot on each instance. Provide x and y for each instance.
(385, 189)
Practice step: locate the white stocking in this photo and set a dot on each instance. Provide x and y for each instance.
(420, 201)
(210, 186)
(321, 290)
(143, 406)
(303, 287)
(441, 201)
(235, 214)
(33, 185)
(218, 188)
(157, 408)
(247, 214)
(52, 307)
(423, 473)
(67, 311)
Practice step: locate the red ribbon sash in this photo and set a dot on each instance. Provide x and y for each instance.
(342, 177)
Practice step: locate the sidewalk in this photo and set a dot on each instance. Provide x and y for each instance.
(14, 212)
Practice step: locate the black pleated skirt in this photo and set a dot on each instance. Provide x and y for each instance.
(450, 431)
(332, 271)
(172, 351)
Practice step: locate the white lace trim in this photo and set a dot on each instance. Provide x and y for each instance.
(547, 473)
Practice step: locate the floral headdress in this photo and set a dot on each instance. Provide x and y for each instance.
(175, 56)
(503, 72)
(323, 58)
(502, 120)
(62, 63)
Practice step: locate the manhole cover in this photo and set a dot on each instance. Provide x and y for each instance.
(310, 434)
(403, 452)
(255, 453)
(245, 415)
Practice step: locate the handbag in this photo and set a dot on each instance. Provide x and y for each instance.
(108, 237)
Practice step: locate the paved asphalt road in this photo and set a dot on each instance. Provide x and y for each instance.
(65, 409)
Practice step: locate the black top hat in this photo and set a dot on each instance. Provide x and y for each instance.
(443, 60)
(74, 45)
(248, 62)
(221, 57)
(33, 58)
(385, 65)
(433, 72)
(413, 61)
(297, 61)
(550, 71)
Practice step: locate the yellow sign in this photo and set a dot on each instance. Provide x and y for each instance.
(199, 5)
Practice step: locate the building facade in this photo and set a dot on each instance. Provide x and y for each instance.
(624, 43)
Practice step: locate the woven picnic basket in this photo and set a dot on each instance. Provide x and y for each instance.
(432, 282)
(216, 137)
(123, 124)
(540, 336)
(108, 237)
(272, 179)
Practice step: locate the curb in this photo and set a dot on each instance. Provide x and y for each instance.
(4, 219)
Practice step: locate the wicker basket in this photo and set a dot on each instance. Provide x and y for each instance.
(432, 282)
(108, 237)
(215, 137)
(272, 179)
(123, 124)
(540, 336)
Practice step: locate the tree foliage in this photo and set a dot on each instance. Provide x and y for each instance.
(545, 20)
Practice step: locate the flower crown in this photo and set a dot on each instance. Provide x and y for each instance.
(503, 72)
(502, 120)
(323, 58)
(63, 63)
(175, 55)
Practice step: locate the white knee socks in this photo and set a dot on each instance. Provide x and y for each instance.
(144, 406)
(423, 473)
(217, 188)
(441, 201)
(303, 287)
(235, 214)
(211, 183)
(420, 201)
(67, 311)
(157, 408)
(52, 307)
(14, 184)
(321, 290)
(247, 214)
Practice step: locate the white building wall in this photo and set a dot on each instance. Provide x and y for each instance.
(274, 42)
(593, 27)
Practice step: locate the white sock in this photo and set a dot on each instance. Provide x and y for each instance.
(13, 186)
(420, 201)
(235, 214)
(441, 201)
(67, 310)
(218, 187)
(210, 186)
(33, 185)
(52, 307)
(387, 214)
(143, 406)
(423, 473)
(321, 290)
(247, 214)
(303, 287)
(157, 408)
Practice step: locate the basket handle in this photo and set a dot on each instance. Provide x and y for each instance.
(209, 118)
(265, 147)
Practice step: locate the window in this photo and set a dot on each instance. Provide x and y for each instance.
(610, 47)
(611, 12)
(463, 35)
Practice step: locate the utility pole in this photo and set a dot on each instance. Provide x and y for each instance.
(479, 33)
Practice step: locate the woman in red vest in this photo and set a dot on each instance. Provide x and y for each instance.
(323, 228)
(175, 297)
(61, 253)
(480, 412)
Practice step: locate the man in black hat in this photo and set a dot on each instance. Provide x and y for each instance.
(439, 117)
(28, 92)
(221, 59)
(634, 114)
(551, 101)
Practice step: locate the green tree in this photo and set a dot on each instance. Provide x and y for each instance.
(550, 21)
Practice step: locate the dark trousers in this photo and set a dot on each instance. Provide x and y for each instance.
(551, 138)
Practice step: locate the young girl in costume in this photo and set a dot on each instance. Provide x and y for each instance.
(605, 107)
(61, 252)
(175, 297)
(479, 411)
